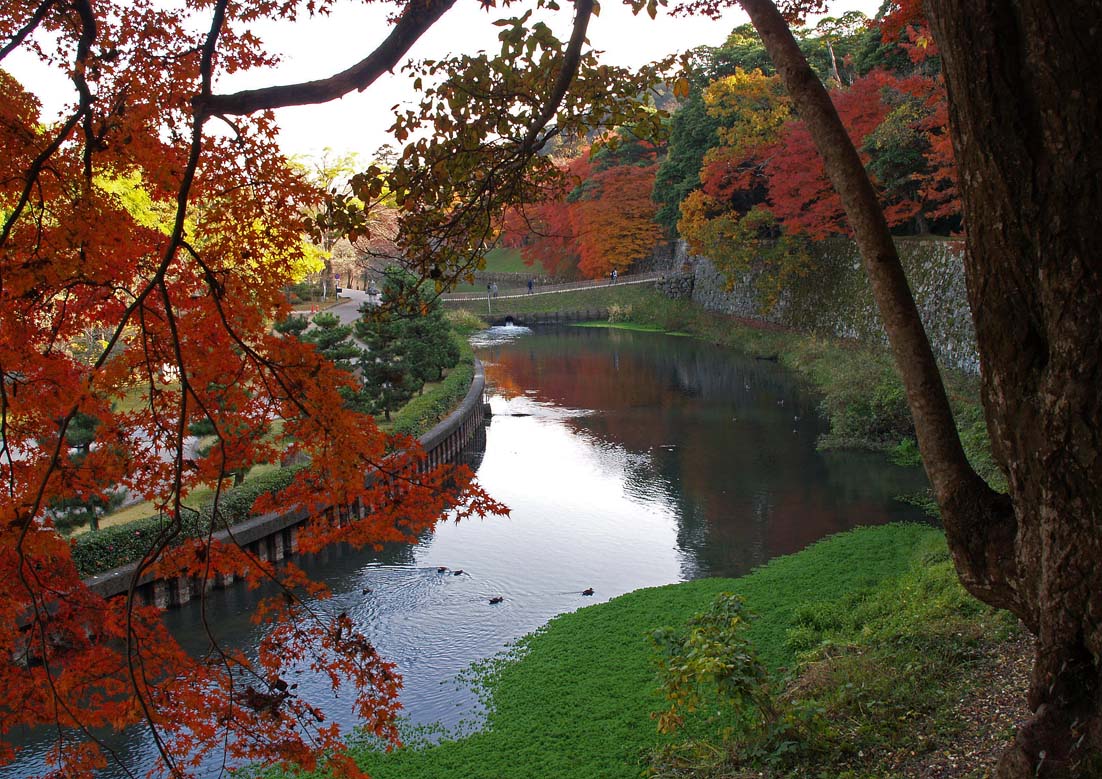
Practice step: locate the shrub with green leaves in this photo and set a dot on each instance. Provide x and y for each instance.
(111, 547)
(711, 663)
(419, 415)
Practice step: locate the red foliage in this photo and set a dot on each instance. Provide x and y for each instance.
(155, 302)
(799, 192)
(602, 218)
(905, 24)
(938, 186)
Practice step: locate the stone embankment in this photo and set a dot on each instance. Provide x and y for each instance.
(834, 298)
(273, 536)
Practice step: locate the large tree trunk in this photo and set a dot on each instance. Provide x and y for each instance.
(1024, 94)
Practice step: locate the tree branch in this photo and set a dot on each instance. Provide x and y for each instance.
(21, 35)
(419, 16)
(571, 57)
(978, 521)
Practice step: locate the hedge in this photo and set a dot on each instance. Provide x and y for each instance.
(419, 415)
(111, 547)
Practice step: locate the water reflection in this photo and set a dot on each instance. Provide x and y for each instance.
(727, 441)
(628, 460)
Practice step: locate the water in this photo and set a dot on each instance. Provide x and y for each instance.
(629, 460)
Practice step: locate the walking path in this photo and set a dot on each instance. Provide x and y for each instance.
(548, 289)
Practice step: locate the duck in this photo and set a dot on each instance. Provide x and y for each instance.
(366, 591)
(442, 569)
(457, 572)
(587, 591)
(496, 599)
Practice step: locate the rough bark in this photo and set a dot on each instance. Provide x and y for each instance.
(1025, 89)
(1026, 115)
(978, 522)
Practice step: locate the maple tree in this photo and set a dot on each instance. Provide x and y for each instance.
(604, 221)
(1025, 138)
(163, 295)
(612, 211)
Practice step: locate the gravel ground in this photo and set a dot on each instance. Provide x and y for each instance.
(989, 717)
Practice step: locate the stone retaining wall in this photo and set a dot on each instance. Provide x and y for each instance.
(835, 299)
(273, 536)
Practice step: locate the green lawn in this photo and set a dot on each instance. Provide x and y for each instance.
(500, 260)
(575, 698)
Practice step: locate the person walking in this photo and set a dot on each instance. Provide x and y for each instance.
(494, 288)
(529, 286)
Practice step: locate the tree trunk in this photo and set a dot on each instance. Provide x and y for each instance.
(1026, 117)
(1025, 102)
(978, 522)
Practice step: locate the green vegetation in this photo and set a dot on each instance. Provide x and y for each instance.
(408, 342)
(878, 676)
(879, 607)
(505, 260)
(121, 544)
(586, 299)
(633, 326)
(420, 414)
(501, 260)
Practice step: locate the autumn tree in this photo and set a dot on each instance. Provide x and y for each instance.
(601, 218)
(330, 172)
(1025, 107)
(611, 210)
(183, 293)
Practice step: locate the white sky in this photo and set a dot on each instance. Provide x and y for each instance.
(318, 47)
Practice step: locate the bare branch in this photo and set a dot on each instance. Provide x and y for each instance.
(419, 16)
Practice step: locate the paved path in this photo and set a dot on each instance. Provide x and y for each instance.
(639, 278)
(349, 311)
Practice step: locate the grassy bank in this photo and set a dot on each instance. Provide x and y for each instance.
(880, 605)
(500, 260)
(593, 298)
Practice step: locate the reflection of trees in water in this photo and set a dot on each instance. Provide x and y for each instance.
(728, 442)
(471, 455)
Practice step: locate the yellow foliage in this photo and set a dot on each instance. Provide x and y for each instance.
(752, 106)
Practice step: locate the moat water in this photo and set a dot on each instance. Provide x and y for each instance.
(628, 460)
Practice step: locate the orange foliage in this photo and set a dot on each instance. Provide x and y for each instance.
(615, 223)
(177, 301)
(601, 218)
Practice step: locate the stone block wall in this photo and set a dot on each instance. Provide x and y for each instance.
(835, 298)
